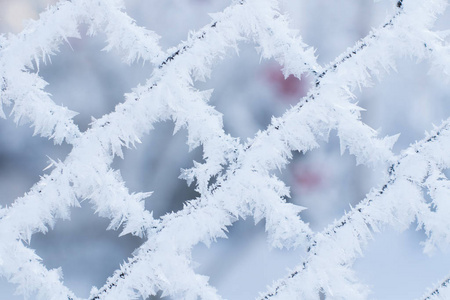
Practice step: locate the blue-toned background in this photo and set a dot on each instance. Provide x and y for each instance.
(248, 92)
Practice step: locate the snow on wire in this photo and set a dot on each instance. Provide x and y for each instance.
(244, 182)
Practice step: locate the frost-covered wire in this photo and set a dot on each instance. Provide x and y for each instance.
(398, 202)
(276, 142)
(440, 292)
(234, 181)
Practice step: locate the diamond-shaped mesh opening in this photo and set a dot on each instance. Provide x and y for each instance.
(327, 183)
(249, 91)
(407, 101)
(243, 264)
(84, 249)
(156, 164)
(88, 80)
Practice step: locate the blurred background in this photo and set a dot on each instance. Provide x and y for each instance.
(248, 92)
